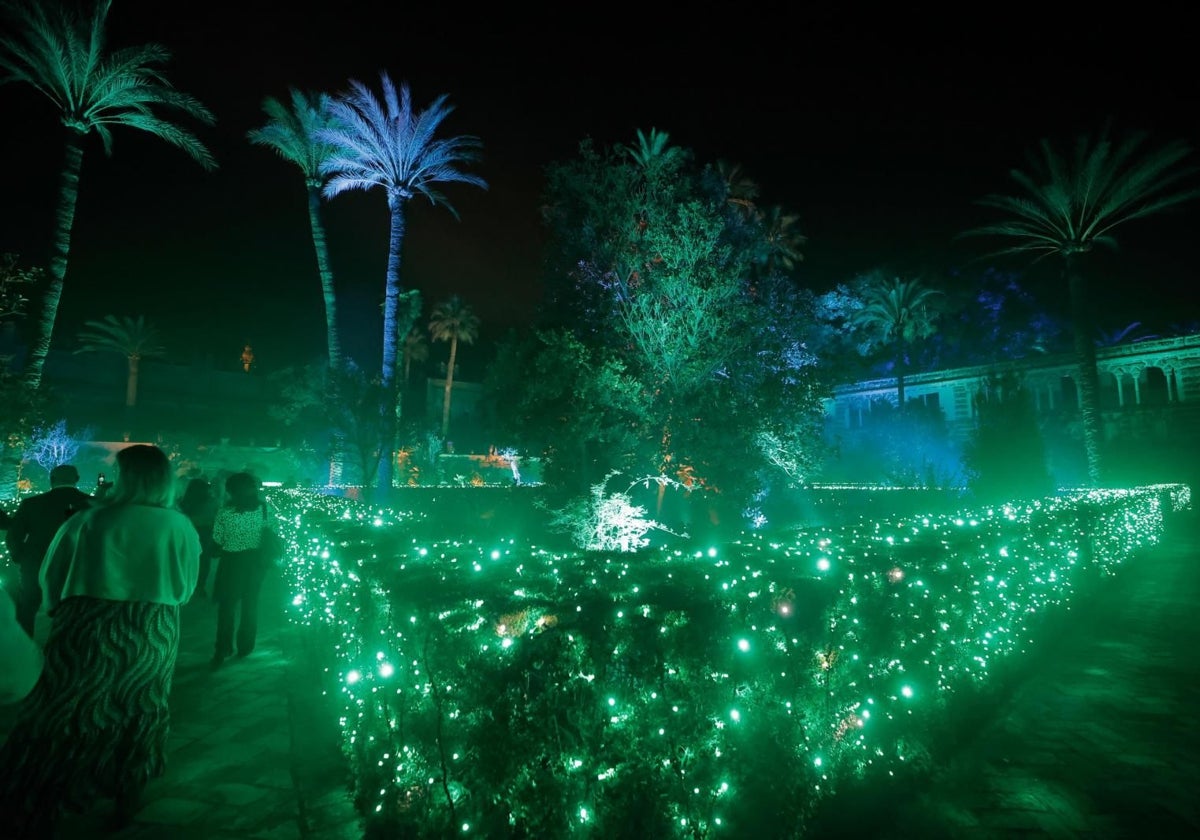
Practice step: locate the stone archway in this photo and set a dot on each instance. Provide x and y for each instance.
(1153, 387)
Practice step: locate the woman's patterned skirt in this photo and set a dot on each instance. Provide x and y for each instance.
(96, 723)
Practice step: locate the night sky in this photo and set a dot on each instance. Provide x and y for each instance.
(881, 132)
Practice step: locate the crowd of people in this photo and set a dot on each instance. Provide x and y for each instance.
(111, 572)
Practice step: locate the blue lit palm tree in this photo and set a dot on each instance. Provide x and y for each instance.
(1069, 208)
(63, 56)
(294, 133)
(385, 144)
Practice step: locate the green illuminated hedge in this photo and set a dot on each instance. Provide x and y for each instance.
(504, 690)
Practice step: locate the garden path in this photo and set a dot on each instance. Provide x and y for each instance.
(1100, 739)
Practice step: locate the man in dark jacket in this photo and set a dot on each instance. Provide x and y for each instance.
(31, 530)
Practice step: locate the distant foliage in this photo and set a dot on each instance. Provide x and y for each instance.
(1005, 456)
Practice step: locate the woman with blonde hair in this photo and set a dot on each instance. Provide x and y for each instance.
(96, 723)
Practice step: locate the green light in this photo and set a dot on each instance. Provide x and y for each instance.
(823, 564)
(960, 606)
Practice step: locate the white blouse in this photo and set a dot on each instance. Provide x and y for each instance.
(241, 530)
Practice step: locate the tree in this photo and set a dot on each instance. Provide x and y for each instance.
(416, 349)
(453, 321)
(50, 446)
(781, 239)
(387, 145)
(1067, 209)
(895, 313)
(1005, 456)
(63, 56)
(656, 302)
(295, 134)
(331, 411)
(133, 338)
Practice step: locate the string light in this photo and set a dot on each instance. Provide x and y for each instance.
(540, 691)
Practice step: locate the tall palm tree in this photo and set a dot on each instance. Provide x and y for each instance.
(294, 133)
(385, 144)
(63, 56)
(895, 313)
(133, 338)
(1068, 208)
(453, 321)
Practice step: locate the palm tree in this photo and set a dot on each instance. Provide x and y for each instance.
(781, 239)
(416, 349)
(63, 56)
(896, 312)
(740, 189)
(294, 133)
(386, 144)
(453, 321)
(1069, 208)
(133, 338)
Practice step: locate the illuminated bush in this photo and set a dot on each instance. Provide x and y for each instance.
(506, 690)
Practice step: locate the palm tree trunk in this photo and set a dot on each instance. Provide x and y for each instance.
(391, 343)
(900, 374)
(1089, 379)
(68, 193)
(131, 383)
(326, 274)
(449, 387)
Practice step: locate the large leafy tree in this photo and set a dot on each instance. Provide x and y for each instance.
(653, 274)
(895, 313)
(453, 321)
(384, 143)
(64, 56)
(1069, 206)
(293, 131)
(133, 338)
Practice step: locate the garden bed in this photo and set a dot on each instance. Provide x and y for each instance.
(498, 688)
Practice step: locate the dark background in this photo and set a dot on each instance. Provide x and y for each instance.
(880, 130)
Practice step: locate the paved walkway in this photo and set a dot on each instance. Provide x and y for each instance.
(1099, 739)
(252, 755)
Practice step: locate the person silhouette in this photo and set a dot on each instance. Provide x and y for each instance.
(97, 722)
(241, 568)
(199, 503)
(31, 529)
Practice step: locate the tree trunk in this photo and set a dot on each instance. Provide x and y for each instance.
(326, 275)
(1089, 379)
(449, 387)
(131, 382)
(68, 192)
(900, 374)
(391, 339)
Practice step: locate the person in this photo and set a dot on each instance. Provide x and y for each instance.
(241, 568)
(199, 503)
(32, 528)
(20, 656)
(96, 724)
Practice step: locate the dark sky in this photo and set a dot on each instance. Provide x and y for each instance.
(880, 131)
